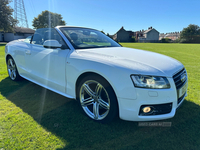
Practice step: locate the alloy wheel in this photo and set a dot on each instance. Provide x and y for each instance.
(94, 100)
(12, 71)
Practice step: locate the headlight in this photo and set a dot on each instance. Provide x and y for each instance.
(151, 82)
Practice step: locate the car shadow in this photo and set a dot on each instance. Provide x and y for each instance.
(64, 118)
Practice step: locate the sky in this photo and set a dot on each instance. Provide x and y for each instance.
(110, 15)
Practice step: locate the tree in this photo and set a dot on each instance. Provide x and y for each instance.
(191, 34)
(48, 19)
(102, 32)
(133, 39)
(7, 22)
(110, 36)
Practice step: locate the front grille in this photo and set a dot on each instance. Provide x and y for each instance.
(177, 79)
(180, 81)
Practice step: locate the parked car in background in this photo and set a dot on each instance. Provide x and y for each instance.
(105, 78)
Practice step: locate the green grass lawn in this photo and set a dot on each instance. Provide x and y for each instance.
(32, 117)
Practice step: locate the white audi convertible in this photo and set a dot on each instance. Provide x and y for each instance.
(108, 80)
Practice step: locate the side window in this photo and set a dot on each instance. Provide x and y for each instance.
(37, 39)
(43, 34)
(52, 34)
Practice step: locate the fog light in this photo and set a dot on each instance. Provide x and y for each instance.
(155, 109)
(146, 109)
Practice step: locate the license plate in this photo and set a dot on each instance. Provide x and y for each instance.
(182, 91)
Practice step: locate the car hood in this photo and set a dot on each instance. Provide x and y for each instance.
(137, 61)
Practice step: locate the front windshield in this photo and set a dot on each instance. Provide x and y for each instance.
(83, 38)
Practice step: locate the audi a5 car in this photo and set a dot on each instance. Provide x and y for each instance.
(107, 80)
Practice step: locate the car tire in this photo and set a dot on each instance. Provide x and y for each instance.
(97, 99)
(12, 69)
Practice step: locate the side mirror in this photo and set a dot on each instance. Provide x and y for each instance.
(52, 44)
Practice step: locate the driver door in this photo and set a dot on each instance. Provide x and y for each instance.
(46, 66)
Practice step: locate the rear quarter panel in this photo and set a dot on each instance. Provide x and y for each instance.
(16, 49)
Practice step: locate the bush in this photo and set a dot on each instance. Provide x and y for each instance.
(176, 41)
(165, 40)
(183, 41)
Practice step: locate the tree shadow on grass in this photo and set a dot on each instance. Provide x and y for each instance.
(64, 118)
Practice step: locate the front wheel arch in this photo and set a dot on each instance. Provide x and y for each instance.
(7, 57)
(88, 74)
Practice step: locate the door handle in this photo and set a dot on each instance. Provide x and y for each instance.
(28, 52)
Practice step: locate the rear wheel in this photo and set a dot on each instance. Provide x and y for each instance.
(12, 69)
(97, 99)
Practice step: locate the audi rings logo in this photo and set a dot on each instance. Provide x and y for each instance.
(183, 77)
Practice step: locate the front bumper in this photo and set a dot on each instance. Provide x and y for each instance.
(129, 109)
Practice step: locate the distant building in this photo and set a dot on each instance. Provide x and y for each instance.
(139, 35)
(19, 33)
(161, 36)
(150, 35)
(123, 36)
(172, 35)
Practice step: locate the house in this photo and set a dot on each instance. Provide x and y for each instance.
(172, 35)
(139, 35)
(19, 33)
(150, 35)
(123, 36)
(161, 36)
